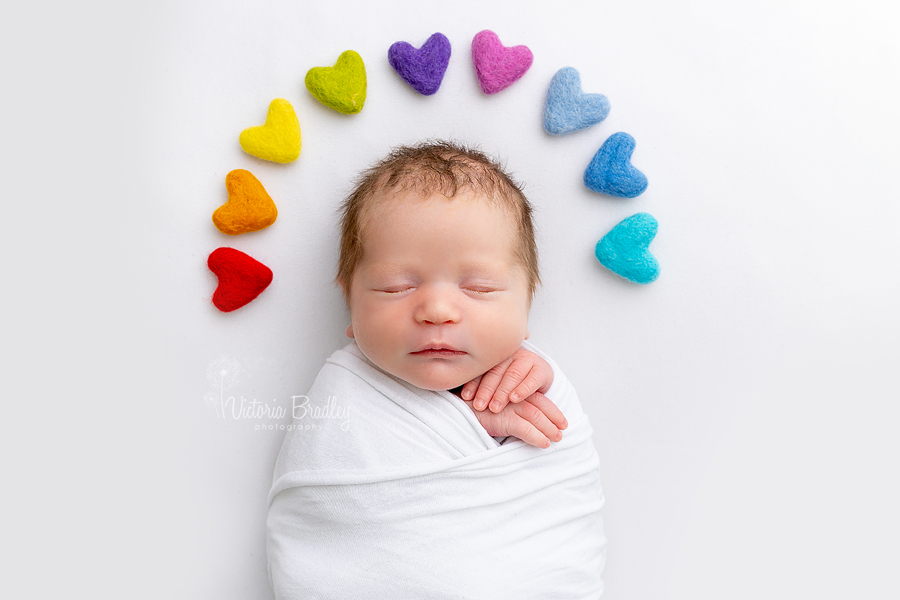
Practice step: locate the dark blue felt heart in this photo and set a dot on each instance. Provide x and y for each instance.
(422, 68)
(568, 109)
(624, 250)
(610, 171)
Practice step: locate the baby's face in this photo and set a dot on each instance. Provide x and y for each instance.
(438, 298)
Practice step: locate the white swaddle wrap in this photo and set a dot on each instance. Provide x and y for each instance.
(386, 491)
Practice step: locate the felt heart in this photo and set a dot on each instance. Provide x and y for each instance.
(249, 206)
(341, 87)
(610, 171)
(424, 68)
(241, 278)
(278, 139)
(624, 249)
(567, 109)
(497, 66)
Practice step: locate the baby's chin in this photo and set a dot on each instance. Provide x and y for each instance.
(438, 377)
(434, 377)
(439, 383)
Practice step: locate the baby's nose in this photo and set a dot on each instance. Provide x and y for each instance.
(437, 308)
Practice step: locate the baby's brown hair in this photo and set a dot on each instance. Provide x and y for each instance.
(429, 168)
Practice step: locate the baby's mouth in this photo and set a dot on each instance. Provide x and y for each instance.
(438, 350)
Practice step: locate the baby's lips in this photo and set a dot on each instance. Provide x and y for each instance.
(437, 346)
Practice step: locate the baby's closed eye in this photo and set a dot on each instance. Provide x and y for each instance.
(481, 287)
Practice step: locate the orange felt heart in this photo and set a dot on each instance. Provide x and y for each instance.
(249, 206)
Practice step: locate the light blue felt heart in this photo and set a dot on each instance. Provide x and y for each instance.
(567, 109)
(624, 249)
(610, 171)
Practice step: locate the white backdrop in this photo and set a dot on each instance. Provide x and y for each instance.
(743, 404)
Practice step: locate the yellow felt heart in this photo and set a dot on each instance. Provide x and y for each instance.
(341, 87)
(278, 139)
(249, 206)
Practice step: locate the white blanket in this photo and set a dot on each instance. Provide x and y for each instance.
(386, 491)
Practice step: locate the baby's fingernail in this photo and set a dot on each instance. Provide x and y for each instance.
(558, 435)
(479, 404)
(514, 396)
(467, 394)
(495, 406)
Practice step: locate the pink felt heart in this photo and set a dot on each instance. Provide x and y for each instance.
(497, 66)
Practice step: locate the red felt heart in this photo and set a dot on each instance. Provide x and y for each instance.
(241, 278)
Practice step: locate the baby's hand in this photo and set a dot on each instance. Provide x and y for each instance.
(536, 421)
(513, 380)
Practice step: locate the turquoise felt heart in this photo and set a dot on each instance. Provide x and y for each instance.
(624, 249)
(610, 172)
(568, 109)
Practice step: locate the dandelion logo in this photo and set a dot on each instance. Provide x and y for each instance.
(223, 374)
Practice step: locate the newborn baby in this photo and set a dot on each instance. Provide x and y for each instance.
(417, 492)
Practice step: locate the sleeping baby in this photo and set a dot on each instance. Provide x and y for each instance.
(452, 478)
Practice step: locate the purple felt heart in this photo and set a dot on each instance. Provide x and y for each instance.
(497, 66)
(422, 68)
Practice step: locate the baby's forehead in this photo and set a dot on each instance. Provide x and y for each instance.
(384, 200)
(389, 213)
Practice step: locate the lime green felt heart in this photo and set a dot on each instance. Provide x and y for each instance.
(341, 87)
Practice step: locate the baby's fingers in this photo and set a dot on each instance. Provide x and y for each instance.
(515, 373)
(488, 383)
(533, 381)
(519, 425)
(531, 435)
(468, 390)
(535, 427)
(548, 409)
